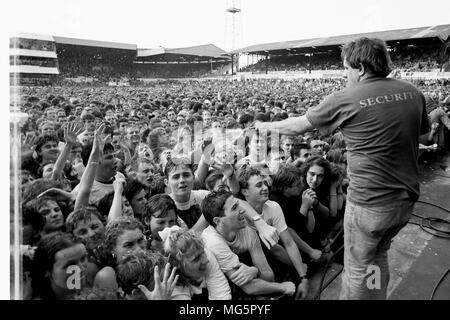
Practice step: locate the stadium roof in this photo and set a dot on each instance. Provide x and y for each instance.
(207, 51)
(32, 36)
(95, 43)
(442, 32)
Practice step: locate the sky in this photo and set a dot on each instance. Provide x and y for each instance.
(181, 23)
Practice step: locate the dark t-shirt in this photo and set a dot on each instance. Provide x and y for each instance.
(381, 120)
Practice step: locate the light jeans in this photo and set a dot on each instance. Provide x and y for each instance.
(368, 232)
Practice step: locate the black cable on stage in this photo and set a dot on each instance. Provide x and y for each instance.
(426, 222)
(439, 283)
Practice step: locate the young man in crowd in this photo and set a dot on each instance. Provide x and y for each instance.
(228, 236)
(256, 193)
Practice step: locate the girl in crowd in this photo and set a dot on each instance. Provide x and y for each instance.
(287, 192)
(122, 235)
(49, 209)
(319, 198)
(59, 265)
(161, 213)
(197, 266)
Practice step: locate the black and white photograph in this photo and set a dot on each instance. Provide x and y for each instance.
(251, 152)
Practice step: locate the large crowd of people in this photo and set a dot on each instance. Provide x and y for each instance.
(167, 191)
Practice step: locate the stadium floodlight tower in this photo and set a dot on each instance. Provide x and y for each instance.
(233, 26)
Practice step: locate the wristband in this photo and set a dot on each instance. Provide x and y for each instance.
(300, 279)
(256, 218)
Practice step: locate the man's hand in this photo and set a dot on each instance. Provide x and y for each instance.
(268, 234)
(289, 288)
(163, 290)
(29, 141)
(118, 185)
(227, 170)
(71, 131)
(57, 194)
(99, 139)
(259, 125)
(434, 128)
(243, 275)
(302, 290)
(315, 255)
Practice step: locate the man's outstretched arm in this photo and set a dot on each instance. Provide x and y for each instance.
(290, 126)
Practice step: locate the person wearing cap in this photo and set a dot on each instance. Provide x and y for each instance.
(381, 119)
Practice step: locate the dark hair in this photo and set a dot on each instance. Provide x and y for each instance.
(371, 53)
(87, 149)
(132, 188)
(36, 187)
(157, 186)
(245, 174)
(286, 177)
(81, 215)
(87, 116)
(43, 140)
(296, 147)
(211, 180)
(319, 161)
(212, 205)
(116, 227)
(32, 217)
(44, 259)
(172, 164)
(122, 120)
(336, 172)
(137, 268)
(161, 203)
(336, 156)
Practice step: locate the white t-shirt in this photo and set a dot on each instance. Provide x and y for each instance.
(215, 282)
(99, 190)
(273, 215)
(226, 252)
(190, 211)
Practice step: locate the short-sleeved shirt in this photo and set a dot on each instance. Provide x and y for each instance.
(381, 120)
(227, 252)
(99, 189)
(190, 211)
(215, 282)
(273, 215)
